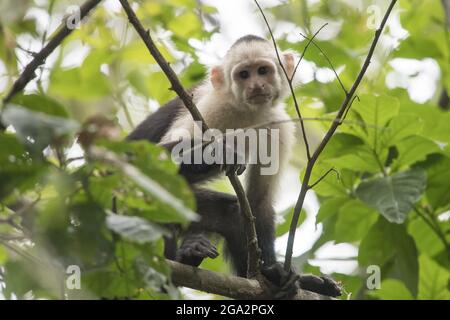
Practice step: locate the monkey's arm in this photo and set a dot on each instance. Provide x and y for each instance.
(194, 168)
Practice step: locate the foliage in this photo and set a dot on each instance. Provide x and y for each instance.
(391, 198)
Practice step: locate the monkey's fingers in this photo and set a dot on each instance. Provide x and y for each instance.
(207, 251)
(322, 285)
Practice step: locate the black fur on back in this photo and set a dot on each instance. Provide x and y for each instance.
(158, 123)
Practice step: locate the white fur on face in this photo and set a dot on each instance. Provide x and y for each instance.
(247, 53)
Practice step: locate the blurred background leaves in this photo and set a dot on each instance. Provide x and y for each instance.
(389, 204)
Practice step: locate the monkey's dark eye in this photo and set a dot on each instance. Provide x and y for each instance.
(263, 70)
(244, 74)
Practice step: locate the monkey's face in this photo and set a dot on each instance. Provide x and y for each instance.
(256, 82)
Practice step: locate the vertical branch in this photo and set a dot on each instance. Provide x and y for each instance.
(289, 80)
(342, 110)
(253, 249)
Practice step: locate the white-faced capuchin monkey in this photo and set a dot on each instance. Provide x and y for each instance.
(245, 91)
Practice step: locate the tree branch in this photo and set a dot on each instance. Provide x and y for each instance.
(39, 58)
(227, 285)
(328, 60)
(253, 249)
(342, 110)
(289, 80)
(323, 177)
(306, 48)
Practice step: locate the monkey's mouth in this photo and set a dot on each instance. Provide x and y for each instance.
(259, 98)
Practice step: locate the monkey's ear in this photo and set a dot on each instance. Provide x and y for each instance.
(217, 78)
(289, 59)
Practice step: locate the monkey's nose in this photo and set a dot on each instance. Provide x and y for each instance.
(259, 89)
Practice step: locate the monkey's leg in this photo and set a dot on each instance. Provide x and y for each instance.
(219, 214)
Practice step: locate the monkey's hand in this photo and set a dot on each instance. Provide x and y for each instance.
(324, 285)
(194, 249)
(281, 283)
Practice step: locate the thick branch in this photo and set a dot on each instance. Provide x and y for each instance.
(227, 285)
(39, 58)
(327, 137)
(254, 252)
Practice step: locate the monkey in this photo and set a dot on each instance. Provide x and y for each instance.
(247, 89)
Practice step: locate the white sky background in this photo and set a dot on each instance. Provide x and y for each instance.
(238, 18)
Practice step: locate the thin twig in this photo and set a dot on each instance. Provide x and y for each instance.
(346, 111)
(328, 60)
(341, 121)
(39, 58)
(289, 80)
(323, 177)
(306, 48)
(253, 249)
(311, 162)
(432, 224)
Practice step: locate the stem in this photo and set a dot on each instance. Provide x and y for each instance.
(39, 58)
(289, 81)
(310, 164)
(429, 220)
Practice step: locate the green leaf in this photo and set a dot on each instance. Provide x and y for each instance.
(18, 279)
(438, 188)
(375, 111)
(393, 196)
(392, 289)
(16, 168)
(426, 239)
(360, 159)
(401, 127)
(41, 103)
(330, 208)
(341, 144)
(389, 246)
(354, 221)
(64, 81)
(434, 280)
(3, 256)
(331, 185)
(43, 129)
(134, 229)
(156, 174)
(435, 120)
(412, 150)
(185, 25)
